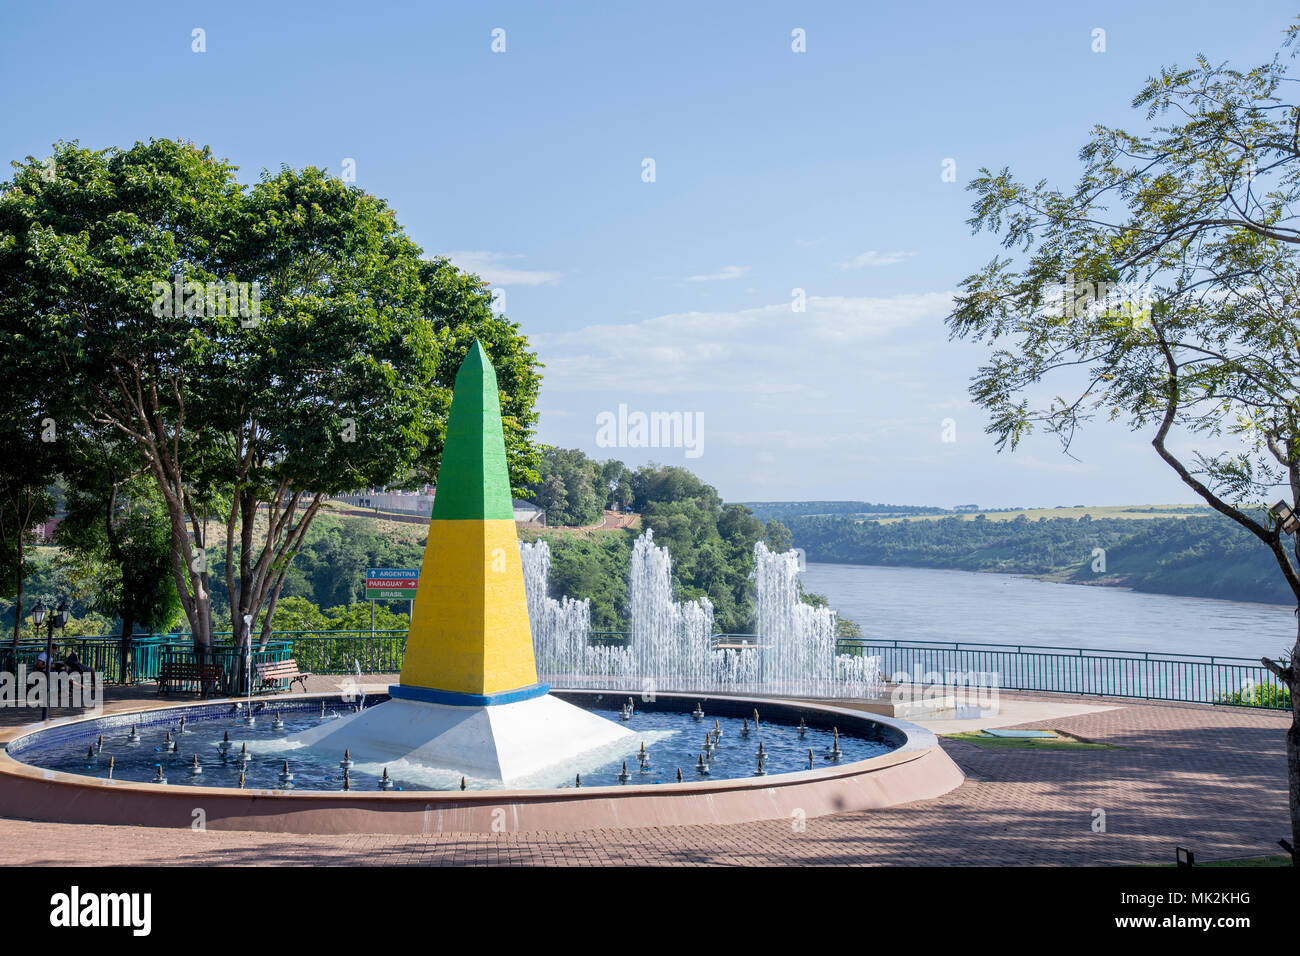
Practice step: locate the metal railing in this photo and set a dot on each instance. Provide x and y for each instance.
(101, 654)
(233, 665)
(1102, 672)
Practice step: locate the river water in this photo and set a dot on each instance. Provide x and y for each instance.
(934, 605)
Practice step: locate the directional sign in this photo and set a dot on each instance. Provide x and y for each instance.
(391, 584)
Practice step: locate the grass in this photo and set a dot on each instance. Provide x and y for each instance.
(1278, 860)
(533, 534)
(1249, 861)
(1060, 742)
(1134, 512)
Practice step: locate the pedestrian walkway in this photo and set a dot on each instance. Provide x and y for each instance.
(1209, 778)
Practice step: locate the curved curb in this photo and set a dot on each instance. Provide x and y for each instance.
(918, 769)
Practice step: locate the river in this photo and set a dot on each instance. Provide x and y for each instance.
(933, 605)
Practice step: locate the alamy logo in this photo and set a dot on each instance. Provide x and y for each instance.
(79, 691)
(211, 300)
(74, 908)
(976, 690)
(652, 430)
(1127, 302)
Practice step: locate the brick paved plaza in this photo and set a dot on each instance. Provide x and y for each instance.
(1212, 779)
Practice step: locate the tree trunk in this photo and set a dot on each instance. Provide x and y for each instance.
(128, 629)
(18, 601)
(1293, 742)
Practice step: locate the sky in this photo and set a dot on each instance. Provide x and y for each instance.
(649, 184)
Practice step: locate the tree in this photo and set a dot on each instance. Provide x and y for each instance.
(262, 347)
(616, 480)
(115, 516)
(1161, 291)
(569, 489)
(32, 448)
(24, 502)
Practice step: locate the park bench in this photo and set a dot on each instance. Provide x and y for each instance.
(270, 675)
(181, 673)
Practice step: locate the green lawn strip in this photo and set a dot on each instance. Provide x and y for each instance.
(1279, 860)
(1028, 743)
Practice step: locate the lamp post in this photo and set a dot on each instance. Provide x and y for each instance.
(1286, 517)
(38, 617)
(248, 659)
(57, 619)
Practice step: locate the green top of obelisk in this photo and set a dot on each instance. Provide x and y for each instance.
(473, 480)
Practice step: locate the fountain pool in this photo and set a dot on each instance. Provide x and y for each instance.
(673, 742)
(46, 773)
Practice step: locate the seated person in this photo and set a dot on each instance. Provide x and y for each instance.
(74, 666)
(59, 666)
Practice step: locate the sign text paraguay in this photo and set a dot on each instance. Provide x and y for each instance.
(391, 584)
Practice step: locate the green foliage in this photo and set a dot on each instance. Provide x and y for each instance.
(342, 380)
(570, 488)
(1159, 290)
(768, 510)
(117, 534)
(1200, 557)
(777, 537)
(299, 614)
(712, 544)
(330, 568)
(1270, 695)
(595, 568)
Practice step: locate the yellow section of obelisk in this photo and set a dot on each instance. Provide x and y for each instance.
(469, 632)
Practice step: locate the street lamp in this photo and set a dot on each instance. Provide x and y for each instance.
(38, 616)
(57, 619)
(1286, 517)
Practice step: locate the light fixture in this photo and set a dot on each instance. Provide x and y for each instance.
(38, 614)
(1286, 517)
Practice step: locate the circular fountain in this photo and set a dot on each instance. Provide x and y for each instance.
(473, 738)
(893, 762)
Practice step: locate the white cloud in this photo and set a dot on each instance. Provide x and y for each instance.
(726, 272)
(769, 349)
(492, 267)
(874, 258)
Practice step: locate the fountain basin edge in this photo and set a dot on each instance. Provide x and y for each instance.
(917, 769)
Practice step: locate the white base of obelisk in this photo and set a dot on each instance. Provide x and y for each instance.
(500, 743)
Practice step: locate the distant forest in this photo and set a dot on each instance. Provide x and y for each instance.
(780, 510)
(1208, 556)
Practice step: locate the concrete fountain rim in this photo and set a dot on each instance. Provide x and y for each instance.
(837, 788)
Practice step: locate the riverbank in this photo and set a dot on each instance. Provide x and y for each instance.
(1200, 556)
(944, 605)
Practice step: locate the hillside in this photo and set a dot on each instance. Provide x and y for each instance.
(1201, 556)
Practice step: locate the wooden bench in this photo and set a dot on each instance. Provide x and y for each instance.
(269, 676)
(187, 672)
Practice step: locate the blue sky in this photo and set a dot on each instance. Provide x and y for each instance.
(774, 170)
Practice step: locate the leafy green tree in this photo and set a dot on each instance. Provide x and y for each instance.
(1161, 291)
(777, 537)
(570, 488)
(116, 518)
(32, 450)
(338, 378)
(356, 617)
(616, 482)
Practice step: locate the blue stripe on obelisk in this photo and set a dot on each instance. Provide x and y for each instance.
(456, 699)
